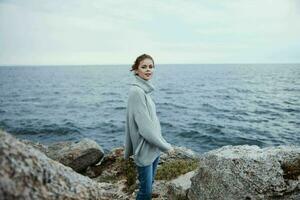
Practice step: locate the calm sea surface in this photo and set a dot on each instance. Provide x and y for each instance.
(202, 107)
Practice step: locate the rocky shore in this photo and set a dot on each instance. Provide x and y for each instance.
(81, 170)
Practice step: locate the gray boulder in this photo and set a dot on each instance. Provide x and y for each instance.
(27, 173)
(178, 188)
(248, 172)
(77, 155)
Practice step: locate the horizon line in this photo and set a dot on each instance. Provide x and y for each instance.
(225, 63)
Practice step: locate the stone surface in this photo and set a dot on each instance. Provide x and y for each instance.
(178, 188)
(109, 170)
(36, 145)
(180, 153)
(248, 172)
(77, 155)
(231, 172)
(27, 173)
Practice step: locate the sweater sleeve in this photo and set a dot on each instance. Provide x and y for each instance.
(146, 126)
(128, 150)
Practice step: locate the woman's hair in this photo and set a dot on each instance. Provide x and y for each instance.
(139, 59)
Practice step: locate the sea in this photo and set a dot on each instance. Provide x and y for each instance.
(200, 106)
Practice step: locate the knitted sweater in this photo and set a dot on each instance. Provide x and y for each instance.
(143, 137)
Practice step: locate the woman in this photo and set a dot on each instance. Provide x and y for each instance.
(143, 137)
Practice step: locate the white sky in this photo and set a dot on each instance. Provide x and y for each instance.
(34, 32)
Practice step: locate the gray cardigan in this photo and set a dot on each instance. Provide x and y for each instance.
(143, 137)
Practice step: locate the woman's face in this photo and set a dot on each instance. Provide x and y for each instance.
(145, 69)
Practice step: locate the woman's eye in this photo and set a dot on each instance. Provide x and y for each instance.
(144, 66)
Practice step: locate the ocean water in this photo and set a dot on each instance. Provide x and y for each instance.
(202, 107)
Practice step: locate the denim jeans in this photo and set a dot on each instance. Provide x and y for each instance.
(146, 176)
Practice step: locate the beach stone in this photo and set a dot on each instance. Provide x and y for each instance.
(178, 188)
(27, 173)
(248, 172)
(180, 153)
(77, 155)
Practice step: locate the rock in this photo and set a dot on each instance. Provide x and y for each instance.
(27, 173)
(159, 187)
(231, 172)
(36, 145)
(180, 153)
(77, 155)
(248, 172)
(178, 188)
(112, 170)
(110, 165)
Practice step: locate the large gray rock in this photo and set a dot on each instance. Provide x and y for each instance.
(27, 173)
(178, 188)
(248, 172)
(77, 155)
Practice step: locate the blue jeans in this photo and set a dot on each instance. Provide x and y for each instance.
(146, 176)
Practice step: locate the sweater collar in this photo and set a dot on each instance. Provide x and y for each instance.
(146, 85)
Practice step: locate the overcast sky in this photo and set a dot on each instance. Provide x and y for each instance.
(34, 32)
